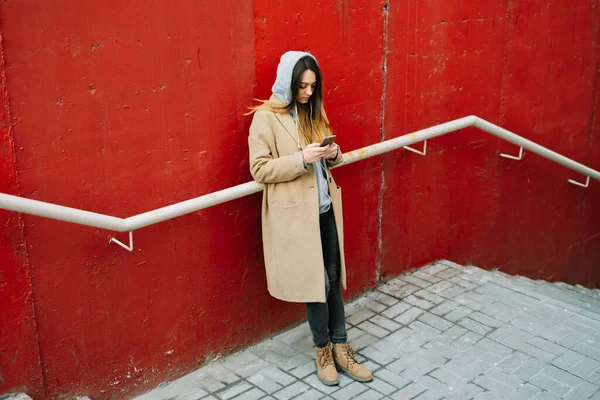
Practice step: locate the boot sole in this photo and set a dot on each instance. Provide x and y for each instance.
(349, 375)
(324, 382)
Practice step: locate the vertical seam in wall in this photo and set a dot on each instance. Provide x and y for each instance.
(382, 138)
(502, 115)
(504, 66)
(20, 224)
(590, 141)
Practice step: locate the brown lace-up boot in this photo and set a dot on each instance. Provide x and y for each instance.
(345, 361)
(326, 367)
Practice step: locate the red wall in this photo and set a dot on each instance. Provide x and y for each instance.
(122, 108)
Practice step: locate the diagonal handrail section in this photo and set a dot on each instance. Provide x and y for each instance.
(74, 215)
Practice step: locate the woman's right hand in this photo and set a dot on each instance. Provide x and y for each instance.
(313, 153)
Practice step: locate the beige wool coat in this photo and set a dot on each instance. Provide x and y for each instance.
(290, 210)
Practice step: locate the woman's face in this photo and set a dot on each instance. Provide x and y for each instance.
(308, 83)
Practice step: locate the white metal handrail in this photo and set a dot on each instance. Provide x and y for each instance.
(48, 210)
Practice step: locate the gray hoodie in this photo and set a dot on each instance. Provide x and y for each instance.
(282, 86)
(282, 90)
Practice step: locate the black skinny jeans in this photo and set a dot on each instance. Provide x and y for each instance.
(326, 320)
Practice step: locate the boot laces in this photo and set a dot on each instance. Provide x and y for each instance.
(326, 358)
(350, 355)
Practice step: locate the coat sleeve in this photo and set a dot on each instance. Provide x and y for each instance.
(339, 158)
(263, 166)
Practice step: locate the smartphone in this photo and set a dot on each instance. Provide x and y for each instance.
(328, 140)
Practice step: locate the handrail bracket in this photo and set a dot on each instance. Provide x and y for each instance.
(520, 156)
(424, 152)
(128, 248)
(586, 184)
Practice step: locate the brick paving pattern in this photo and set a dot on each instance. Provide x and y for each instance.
(442, 332)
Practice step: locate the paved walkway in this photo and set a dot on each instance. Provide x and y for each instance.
(441, 332)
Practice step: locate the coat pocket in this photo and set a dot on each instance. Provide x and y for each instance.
(295, 250)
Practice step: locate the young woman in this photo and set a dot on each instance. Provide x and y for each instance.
(302, 209)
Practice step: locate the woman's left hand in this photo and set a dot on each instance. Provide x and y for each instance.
(332, 151)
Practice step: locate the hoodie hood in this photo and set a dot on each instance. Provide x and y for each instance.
(282, 86)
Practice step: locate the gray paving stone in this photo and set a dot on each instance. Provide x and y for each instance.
(436, 353)
(350, 391)
(430, 297)
(465, 341)
(418, 302)
(432, 384)
(484, 335)
(500, 311)
(375, 306)
(460, 281)
(354, 333)
(510, 336)
(537, 353)
(439, 287)
(385, 323)
(369, 395)
(444, 308)
(448, 273)
(395, 310)
(416, 281)
(550, 384)
(513, 361)
(474, 326)
(531, 367)
(409, 392)
(570, 340)
(584, 390)
(568, 360)
(561, 376)
(360, 316)
(430, 395)
(492, 385)
(451, 334)
(485, 320)
(453, 381)
(426, 277)
(434, 268)
(314, 382)
(452, 292)
(382, 386)
(488, 396)
(265, 383)
(524, 392)
(584, 347)
(398, 289)
(501, 376)
(546, 396)
(382, 298)
(547, 346)
(304, 370)
(469, 391)
(435, 321)
(391, 378)
(373, 329)
(474, 300)
(311, 394)
(253, 394)
(585, 367)
(235, 390)
(291, 391)
(458, 313)
(409, 315)
(363, 341)
(411, 367)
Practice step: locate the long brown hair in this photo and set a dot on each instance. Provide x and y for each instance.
(308, 132)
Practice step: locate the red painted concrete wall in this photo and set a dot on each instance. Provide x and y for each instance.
(122, 108)
(530, 67)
